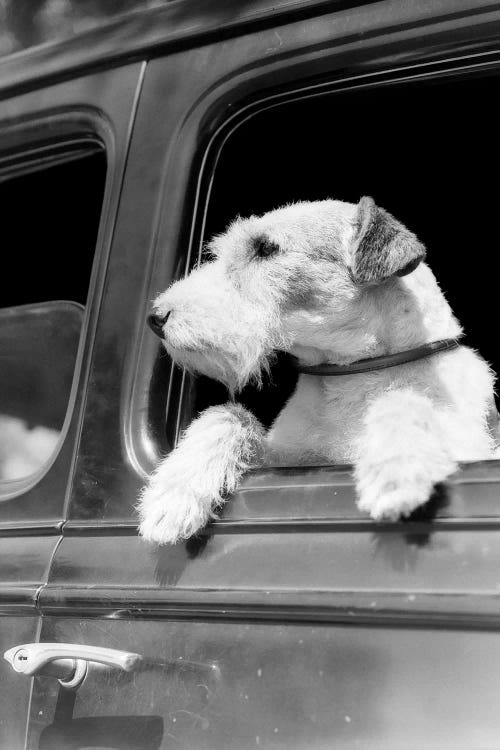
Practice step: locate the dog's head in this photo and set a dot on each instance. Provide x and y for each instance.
(290, 279)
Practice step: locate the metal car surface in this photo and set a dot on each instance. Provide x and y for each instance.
(294, 622)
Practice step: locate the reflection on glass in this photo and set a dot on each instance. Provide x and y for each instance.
(38, 348)
(23, 450)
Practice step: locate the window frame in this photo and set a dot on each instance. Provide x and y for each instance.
(145, 449)
(98, 105)
(31, 146)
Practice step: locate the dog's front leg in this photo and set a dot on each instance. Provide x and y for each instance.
(191, 482)
(401, 454)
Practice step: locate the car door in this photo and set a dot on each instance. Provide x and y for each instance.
(292, 621)
(62, 156)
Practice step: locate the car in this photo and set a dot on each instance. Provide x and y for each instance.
(129, 134)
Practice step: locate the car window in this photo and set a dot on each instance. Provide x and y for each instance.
(323, 147)
(51, 204)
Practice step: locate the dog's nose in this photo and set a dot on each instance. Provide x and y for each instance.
(156, 323)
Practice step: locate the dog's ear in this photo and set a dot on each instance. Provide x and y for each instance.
(382, 247)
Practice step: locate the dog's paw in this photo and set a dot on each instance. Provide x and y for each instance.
(392, 490)
(171, 514)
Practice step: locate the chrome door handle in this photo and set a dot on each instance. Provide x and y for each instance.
(67, 661)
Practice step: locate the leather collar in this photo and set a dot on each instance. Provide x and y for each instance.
(380, 363)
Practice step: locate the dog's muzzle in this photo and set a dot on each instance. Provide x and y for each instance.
(156, 323)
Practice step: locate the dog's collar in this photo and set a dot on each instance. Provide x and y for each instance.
(380, 363)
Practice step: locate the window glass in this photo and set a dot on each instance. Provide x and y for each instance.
(50, 218)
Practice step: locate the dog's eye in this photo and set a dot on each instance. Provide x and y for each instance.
(264, 248)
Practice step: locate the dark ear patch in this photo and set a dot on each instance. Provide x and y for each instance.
(409, 267)
(383, 246)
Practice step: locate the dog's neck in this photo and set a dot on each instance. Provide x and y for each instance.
(400, 314)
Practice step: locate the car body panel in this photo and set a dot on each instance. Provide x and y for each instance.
(220, 685)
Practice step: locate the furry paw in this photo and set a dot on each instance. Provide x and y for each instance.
(191, 482)
(169, 514)
(393, 489)
(401, 455)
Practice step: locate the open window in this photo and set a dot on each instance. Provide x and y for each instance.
(425, 150)
(51, 198)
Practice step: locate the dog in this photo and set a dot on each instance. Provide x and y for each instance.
(331, 283)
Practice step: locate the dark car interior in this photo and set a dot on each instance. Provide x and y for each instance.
(50, 218)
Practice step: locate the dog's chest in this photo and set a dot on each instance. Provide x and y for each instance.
(344, 403)
(322, 419)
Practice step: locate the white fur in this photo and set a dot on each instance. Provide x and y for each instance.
(404, 428)
(206, 465)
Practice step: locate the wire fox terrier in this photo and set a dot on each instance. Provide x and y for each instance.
(332, 283)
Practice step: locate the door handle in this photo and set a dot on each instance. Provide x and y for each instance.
(67, 661)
